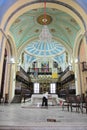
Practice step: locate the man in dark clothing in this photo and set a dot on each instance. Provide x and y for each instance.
(45, 99)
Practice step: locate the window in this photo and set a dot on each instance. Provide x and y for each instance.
(36, 87)
(52, 88)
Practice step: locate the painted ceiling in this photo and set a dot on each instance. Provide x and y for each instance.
(29, 26)
(50, 49)
(6, 4)
(61, 25)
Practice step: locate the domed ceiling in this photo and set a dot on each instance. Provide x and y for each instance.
(27, 28)
(29, 25)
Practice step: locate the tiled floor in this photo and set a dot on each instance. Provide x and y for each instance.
(28, 117)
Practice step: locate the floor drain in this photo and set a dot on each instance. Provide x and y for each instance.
(51, 120)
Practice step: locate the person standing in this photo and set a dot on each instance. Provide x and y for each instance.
(45, 99)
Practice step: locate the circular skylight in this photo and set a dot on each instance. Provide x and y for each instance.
(44, 48)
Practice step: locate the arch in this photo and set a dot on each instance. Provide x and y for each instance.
(13, 49)
(21, 7)
(8, 65)
(79, 48)
(3, 75)
(11, 68)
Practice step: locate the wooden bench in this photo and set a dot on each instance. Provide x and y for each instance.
(66, 104)
(73, 102)
(84, 105)
(76, 103)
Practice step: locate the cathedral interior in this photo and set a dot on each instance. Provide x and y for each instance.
(43, 48)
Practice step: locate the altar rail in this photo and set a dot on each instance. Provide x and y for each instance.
(37, 99)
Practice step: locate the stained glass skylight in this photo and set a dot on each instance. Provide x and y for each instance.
(52, 49)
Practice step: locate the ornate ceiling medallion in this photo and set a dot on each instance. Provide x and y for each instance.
(44, 21)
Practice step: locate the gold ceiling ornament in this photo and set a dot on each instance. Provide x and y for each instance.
(44, 21)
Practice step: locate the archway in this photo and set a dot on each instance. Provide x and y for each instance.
(80, 57)
(3, 76)
(8, 70)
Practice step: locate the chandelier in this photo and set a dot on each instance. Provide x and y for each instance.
(45, 35)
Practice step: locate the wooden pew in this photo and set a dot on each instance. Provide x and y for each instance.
(73, 102)
(84, 105)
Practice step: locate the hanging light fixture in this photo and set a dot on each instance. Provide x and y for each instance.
(45, 35)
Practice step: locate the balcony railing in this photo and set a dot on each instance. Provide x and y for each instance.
(40, 70)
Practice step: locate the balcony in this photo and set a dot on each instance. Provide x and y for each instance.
(40, 71)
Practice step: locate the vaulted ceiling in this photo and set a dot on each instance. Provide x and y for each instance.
(27, 27)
